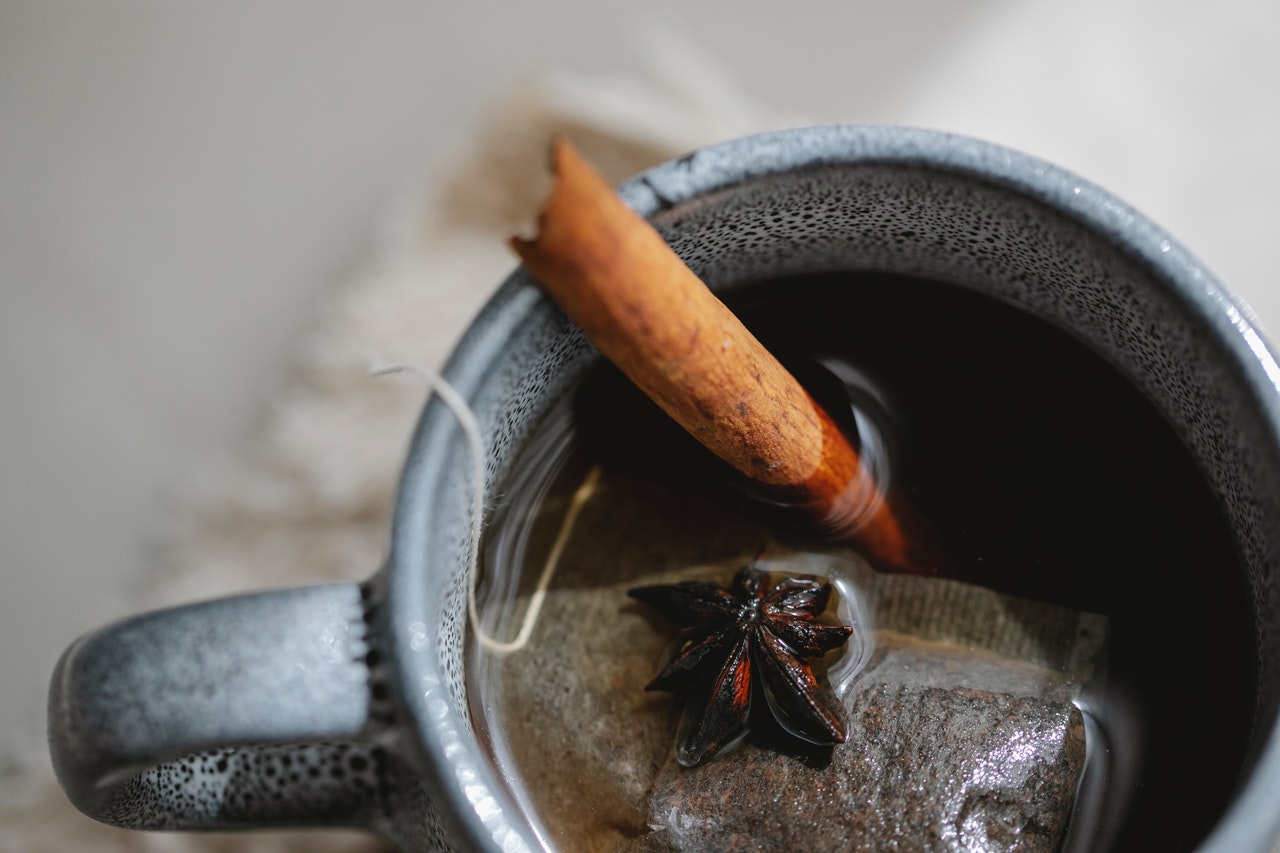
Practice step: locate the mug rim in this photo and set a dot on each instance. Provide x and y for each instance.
(477, 809)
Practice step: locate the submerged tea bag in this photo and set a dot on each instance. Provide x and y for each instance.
(962, 731)
(962, 736)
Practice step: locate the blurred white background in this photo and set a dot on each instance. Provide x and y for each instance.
(183, 184)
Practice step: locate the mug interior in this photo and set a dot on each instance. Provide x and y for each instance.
(878, 200)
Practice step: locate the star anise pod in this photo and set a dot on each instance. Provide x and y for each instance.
(748, 640)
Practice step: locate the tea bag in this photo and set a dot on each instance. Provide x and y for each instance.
(962, 731)
(962, 736)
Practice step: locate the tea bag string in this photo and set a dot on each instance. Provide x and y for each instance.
(580, 497)
(471, 429)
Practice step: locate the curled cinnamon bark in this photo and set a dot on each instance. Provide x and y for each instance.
(646, 311)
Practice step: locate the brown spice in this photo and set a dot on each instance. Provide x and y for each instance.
(638, 302)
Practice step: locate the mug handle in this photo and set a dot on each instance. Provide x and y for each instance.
(246, 712)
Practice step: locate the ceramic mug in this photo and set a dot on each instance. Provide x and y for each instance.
(345, 704)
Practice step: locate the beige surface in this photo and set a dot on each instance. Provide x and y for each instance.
(182, 187)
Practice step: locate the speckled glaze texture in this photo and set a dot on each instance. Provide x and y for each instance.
(818, 199)
(267, 669)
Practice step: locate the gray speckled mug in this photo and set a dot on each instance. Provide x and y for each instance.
(344, 705)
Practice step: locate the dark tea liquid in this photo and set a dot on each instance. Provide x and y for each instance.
(1047, 475)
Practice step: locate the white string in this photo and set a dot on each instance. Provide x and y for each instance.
(580, 497)
(471, 429)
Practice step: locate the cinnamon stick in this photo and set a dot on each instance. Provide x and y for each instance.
(637, 301)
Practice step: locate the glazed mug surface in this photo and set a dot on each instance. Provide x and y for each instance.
(346, 705)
